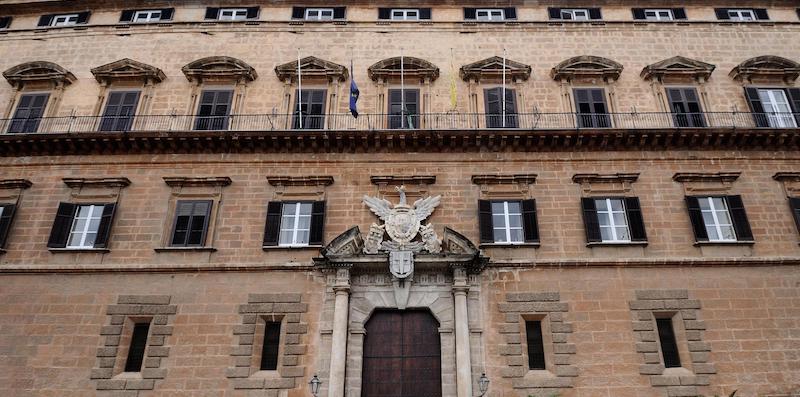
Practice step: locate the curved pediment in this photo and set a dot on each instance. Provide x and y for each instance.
(766, 66)
(678, 66)
(587, 66)
(125, 69)
(38, 72)
(412, 68)
(492, 68)
(219, 67)
(312, 67)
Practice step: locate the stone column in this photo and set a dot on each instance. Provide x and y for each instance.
(463, 364)
(339, 338)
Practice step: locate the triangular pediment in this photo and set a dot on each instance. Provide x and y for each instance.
(128, 69)
(767, 66)
(312, 66)
(587, 66)
(492, 67)
(411, 67)
(38, 71)
(219, 67)
(678, 66)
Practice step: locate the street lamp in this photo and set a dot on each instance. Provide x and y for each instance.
(314, 383)
(483, 382)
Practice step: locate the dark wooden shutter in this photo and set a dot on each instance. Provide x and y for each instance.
(555, 13)
(5, 222)
(212, 13)
(384, 13)
(591, 106)
(5, 22)
(317, 232)
(83, 17)
(722, 13)
(669, 346)
(635, 219)
(638, 13)
(679, 13)
(136, 351)
(685, 106)
(252, 12)
(45, 20)
(529, 222)
(119, 111)
(794, 204)
(794, 100)
(470, 13)
(191, 223)
(63, 222)
(104, 229)
(533, 333)
(339, 12)
(696, 217)
(756, 107)
(425, 13)
(590, 220)
(485, 221)
(28, 113)
(127, 16)
(213, 111)
(739, 218)
(298, 12)
(761, 14)
(510, 13)
(272, 227)
(166, 14)
(269, 351)
(594, 13)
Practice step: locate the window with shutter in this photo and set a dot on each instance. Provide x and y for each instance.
(6, 217)
(191, 223)
(295, 230)
(145, 16)
(495, 111)
(574, 14)
(654, 14)
(319, 14)
(213, 110)
(403, 114)
(137, 347)
(120, 110)
(591, 107)
(685, 107)
(85, 225)
(669, 346)
(777, 108)
(508, 222)
(533, 331)
(719, 218)
(794, 205)
(490, 14)
(29, 113)
(404, 14)
(270, 348)
(232, 14)
(309, 111)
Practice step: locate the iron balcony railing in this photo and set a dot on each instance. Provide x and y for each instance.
(368, 122)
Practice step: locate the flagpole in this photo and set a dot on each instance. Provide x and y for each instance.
(402, 91)
(503, 99)
(299, 91)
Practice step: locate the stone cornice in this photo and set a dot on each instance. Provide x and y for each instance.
(502, 179)
(605, 178)
(15, 183)
(723, 177)
(787, 176)
(325, 180)
(177, 181)
(403, 180)
(77, 183)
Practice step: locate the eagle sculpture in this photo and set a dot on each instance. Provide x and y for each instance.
(402, 222)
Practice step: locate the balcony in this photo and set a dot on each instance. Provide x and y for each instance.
(421, 122)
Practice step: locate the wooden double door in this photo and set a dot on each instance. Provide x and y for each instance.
(402, 355)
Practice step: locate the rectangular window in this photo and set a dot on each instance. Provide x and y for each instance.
(533, 331)
(309, 112)
(685, 106)
(191, 223)
(403, 109)
(82, 226)
(405, 15)
(591, 106)
(232, 14)
(147, 16)
(742, 14)
(64, 20)
(717, 219)
(85, 226)
(51, 20)
(137, 348)
(295, 224)
(119, 111)
(658, 15)
(774, 107)
(490, 14)
(576, 14)
(6, 217)
(508, 221)
(214, 109)
(29, 113)
(319, 14)
(613, 220)
(794, 205)
(669, 346)
(495, 111)
(269, 351)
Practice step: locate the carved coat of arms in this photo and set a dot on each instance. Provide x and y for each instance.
(402, 223)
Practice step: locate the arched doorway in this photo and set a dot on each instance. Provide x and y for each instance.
(402, 355)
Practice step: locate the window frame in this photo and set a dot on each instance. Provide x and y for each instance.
(777, 119)
(30, 125)
(507, 217)
(717, 225)
(686, 118)
(311, 121)
(496, 120)
(295, 227)
(265, 324)
(206, 223)
(149, 18)
(55, 23)
(488, 17)
(572, 12)
(540, 349)
(319, 17)
(735, 14)
(234, 14)
(128, 363)
(403, 114)
(670, 15)
(671, 343)
(611, 222)
(93, 209)
(405, 16)
(115, 119)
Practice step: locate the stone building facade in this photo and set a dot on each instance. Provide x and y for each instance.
(725, 292)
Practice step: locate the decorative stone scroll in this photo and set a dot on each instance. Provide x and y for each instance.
(492, 69)
(128, 69)
(312, 67)
(38, 72)
(413, 69)
(766, 67)
(219, 67)
(678, 68)
(587, 66)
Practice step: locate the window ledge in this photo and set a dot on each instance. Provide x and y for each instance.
(290, 247)
(509, 245)
(266, 373)
(95, 250)
(737, 242)
(617, 244)
(185, 249)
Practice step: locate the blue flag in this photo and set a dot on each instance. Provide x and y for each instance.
(353, 93)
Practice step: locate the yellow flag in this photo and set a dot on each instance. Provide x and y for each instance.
(453, 95)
